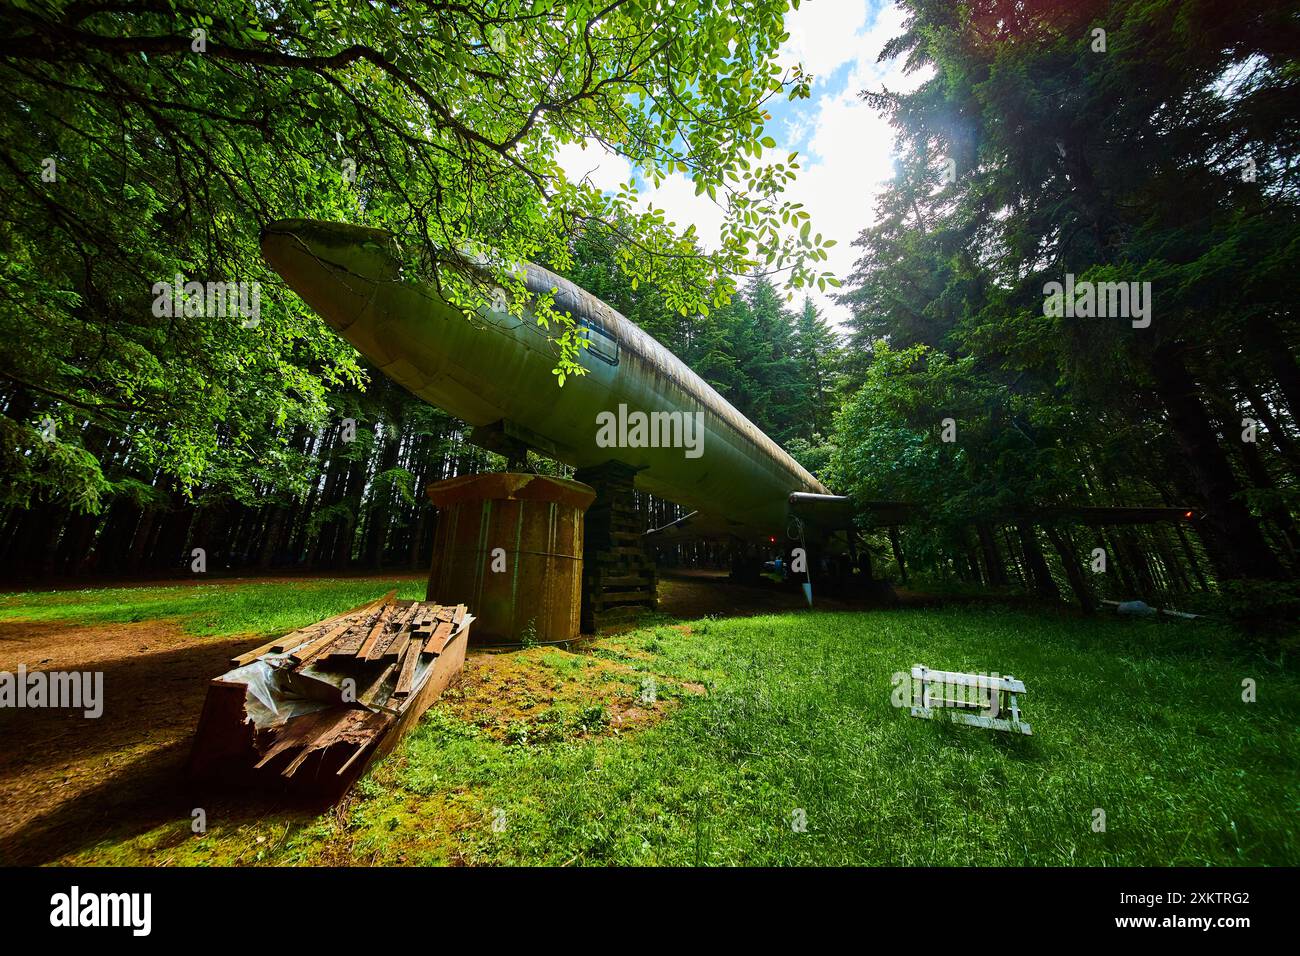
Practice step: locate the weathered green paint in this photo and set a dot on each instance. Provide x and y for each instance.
(496, 371)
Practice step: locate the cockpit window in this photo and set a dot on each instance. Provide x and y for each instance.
(603, 345)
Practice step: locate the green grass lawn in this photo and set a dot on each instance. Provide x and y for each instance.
(225, 607)
(763, 720)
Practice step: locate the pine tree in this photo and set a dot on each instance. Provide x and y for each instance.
(817, 348)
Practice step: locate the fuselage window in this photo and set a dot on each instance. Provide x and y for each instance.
(603, 345)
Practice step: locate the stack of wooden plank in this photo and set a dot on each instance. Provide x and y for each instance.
(311, 710)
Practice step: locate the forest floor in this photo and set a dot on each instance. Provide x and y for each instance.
(700, 735)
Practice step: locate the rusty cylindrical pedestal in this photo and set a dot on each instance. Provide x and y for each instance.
(530, 589)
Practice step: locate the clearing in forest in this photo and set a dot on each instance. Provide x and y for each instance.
(767, 739)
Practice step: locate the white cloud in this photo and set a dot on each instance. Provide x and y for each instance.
(605, 170)
(824, 35)
(848, 156)
(675, 196)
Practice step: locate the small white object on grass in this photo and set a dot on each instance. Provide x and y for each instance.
(974, 699)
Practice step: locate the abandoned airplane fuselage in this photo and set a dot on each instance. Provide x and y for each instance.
(638, 403)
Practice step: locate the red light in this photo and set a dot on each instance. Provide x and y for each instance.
(1188, 515)
(772, 539)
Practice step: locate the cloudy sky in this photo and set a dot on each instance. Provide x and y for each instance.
(845, 149)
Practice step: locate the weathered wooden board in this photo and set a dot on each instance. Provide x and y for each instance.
(286, 642)
(322, 752)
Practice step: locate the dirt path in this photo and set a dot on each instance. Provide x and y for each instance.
(62, 774)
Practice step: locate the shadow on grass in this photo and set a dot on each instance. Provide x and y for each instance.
(72, 782)
(157, 794)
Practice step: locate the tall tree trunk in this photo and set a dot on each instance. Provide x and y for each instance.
(1269, 345)
(897, 545)
(141, 540)
(271, 540)
(997, 573)
(1278, 515)
(1039, 572)
(1073, 569)
(1285, 445)
(381, 511)
(1233, 540)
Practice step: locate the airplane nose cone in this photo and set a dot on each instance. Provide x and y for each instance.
(370, 253)
(334, 267)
